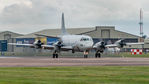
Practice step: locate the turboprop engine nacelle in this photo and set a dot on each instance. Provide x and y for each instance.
(38, 44)
(58, 46)
(120, 43)
(100, 46)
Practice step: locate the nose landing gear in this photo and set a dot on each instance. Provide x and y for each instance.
(86, 54)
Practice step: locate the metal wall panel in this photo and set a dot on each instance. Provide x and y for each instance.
(105, 33)
(42, 39)
(50, 41)
(24, 49)
(25, 41)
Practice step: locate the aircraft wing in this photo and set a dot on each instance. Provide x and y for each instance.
(18, 44)
(140, 43)
(111, 46)
(127, 44)
(48, 47)
(66, 48)
(51, 47)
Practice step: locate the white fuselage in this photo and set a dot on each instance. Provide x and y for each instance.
(78, 42)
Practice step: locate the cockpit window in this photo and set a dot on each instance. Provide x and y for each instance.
(84, 39)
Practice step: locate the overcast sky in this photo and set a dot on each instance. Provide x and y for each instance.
(26, 16)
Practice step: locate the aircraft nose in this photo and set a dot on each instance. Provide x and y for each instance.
(88, 45)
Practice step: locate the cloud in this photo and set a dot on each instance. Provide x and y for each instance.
(19, 14)
(4, 3)
(24, 14)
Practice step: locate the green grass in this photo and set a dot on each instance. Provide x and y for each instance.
(75, 75)
(126, 54)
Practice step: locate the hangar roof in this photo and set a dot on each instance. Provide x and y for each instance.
(56, 32)
(94, 32)
(12, 34)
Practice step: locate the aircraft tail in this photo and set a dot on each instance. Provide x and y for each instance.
(63, 30)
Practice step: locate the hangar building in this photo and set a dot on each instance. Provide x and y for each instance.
(98, 33)
(9, 37)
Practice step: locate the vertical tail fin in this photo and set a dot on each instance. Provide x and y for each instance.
(63, 30)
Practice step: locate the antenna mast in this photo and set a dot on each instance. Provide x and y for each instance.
(141, 23)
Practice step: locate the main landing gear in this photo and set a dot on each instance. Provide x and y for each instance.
(55, 55)
(97, 55)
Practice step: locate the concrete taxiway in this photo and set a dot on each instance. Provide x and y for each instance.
(46, 61)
